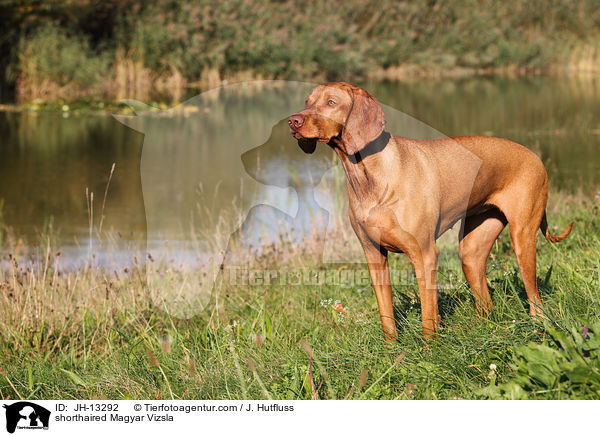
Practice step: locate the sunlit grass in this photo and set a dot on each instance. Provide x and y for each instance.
(91, 333)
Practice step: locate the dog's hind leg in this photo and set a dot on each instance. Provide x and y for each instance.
(477, 237)
(524, 213)
(523, 238)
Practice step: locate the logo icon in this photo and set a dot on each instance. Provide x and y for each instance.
(26, 415)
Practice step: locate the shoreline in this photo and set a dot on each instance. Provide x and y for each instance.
(564, 206)
(405, 74)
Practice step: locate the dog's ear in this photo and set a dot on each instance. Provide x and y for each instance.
(365, 123)
(307, 145)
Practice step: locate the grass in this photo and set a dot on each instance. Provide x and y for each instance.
(96, 334)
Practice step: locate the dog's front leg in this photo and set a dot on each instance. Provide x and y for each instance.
(382, 225)
(377, 262)
(425, 264)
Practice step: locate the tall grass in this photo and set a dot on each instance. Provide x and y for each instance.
(97, 334)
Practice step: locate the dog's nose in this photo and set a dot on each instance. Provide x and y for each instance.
(296, 121)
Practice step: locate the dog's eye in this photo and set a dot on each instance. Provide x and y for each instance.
(331, 102)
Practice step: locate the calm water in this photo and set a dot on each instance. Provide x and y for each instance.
(181, 174)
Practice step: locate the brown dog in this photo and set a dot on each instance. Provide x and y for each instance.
(405, 193)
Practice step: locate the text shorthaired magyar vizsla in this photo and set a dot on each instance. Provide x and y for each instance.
(405, 193)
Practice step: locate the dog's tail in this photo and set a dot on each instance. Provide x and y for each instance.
(551, 237)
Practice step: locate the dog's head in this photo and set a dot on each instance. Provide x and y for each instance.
(338, 111)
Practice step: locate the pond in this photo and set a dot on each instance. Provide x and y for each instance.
(174, 173)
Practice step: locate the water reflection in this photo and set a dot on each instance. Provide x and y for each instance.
(175, 179)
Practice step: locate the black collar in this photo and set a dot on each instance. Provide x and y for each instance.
(375, 146)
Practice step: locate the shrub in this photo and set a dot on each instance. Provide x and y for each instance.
(52, 64)
(204, 42)
(567, 366)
